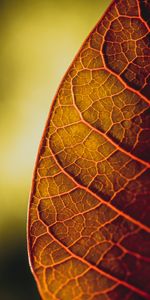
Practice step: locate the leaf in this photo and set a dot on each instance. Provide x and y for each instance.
(89, 215)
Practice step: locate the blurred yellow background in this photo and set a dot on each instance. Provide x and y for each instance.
(39, 39)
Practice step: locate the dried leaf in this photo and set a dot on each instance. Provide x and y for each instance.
(89, 215)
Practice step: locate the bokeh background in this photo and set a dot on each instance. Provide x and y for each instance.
(39, 39)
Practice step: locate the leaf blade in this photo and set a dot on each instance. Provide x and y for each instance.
(85, 209)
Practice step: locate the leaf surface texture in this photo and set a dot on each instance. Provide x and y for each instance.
(89, 214)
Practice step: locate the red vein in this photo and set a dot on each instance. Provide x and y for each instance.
(91, 266)
(115, 74)
(129, 218)
(139, 11)
(128, 87)
(108, 138)
(100, 271)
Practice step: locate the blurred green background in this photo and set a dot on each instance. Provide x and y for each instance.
(39, 39)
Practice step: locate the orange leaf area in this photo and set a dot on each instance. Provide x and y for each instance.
(89, 215)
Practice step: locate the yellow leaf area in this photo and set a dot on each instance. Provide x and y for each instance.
(89, 235)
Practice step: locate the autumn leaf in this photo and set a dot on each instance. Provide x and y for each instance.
(89, 214)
